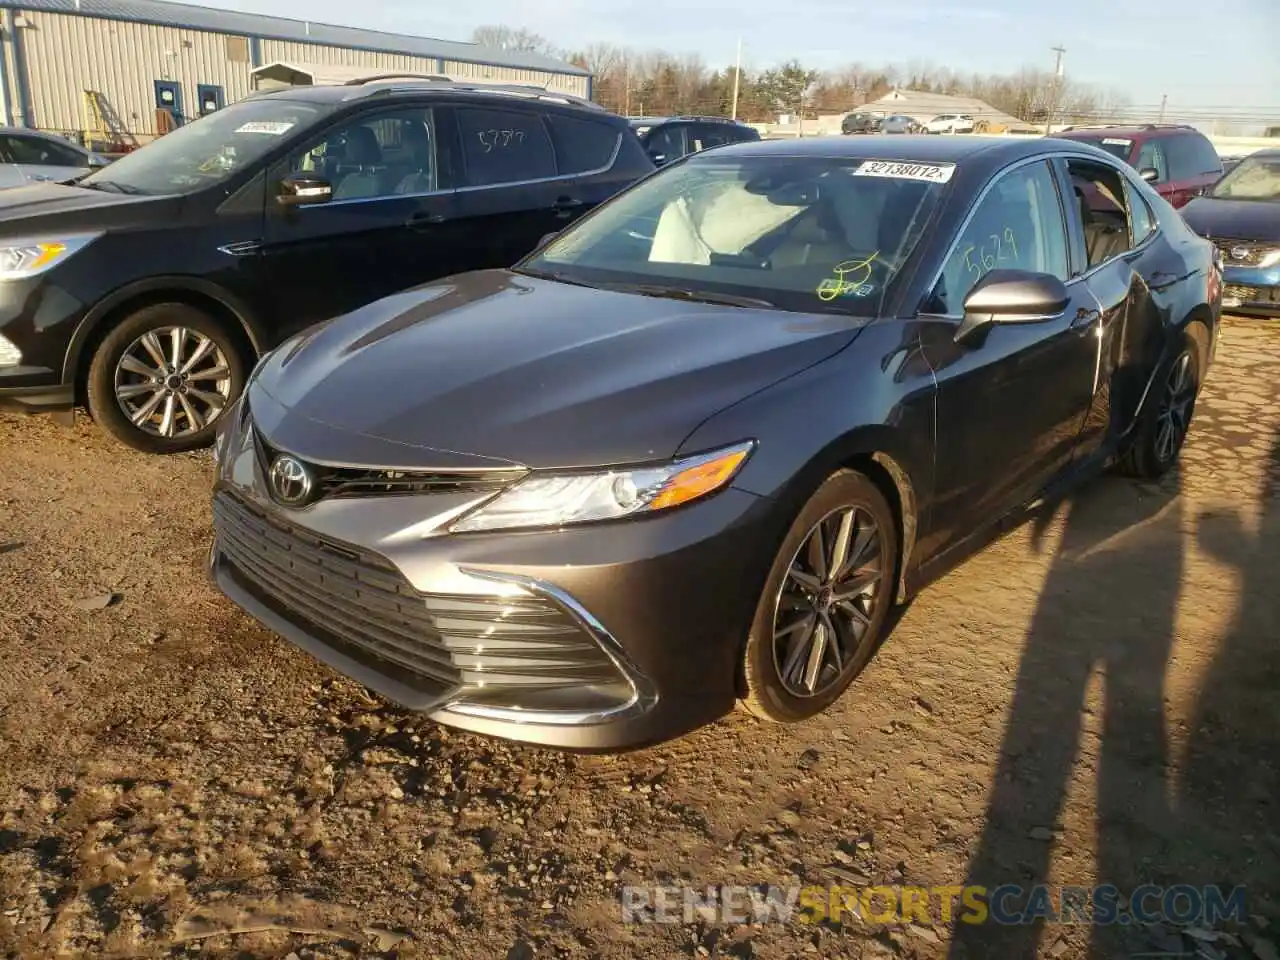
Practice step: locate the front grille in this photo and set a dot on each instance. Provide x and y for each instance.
(364, 482)
(360, 603)
(1246, 294)
(1251, 252)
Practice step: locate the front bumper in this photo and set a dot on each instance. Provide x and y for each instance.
(25, 398)
(603, 637)
(1250, 290)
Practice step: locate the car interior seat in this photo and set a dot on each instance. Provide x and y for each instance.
(420, 178)
(362, 174)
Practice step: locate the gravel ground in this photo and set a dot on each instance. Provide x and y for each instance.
(1093, 699)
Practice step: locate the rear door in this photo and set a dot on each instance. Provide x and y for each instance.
(388, 226)
(512, 193)
(1009, 409)
(590, 162)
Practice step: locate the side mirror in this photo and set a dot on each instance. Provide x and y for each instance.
(97, 162)
(1011, 296)
(1149, 174)
(302, 188)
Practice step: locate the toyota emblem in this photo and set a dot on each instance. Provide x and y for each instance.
(290, 481)
(1239, 253)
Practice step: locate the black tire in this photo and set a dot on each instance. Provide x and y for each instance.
(185, 433)
(1152, 453)
(766, 657)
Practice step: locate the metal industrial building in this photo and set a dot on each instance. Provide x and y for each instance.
(77, 66)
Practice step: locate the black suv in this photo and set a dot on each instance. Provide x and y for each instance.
(148, 289)
(669, 138)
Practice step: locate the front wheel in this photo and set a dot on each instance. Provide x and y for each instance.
(160, 381)
(824, 603)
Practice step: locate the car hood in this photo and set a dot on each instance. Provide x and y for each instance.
(1233, 219)
(44, 207)
(498, 366)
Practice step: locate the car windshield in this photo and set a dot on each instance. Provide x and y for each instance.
(1256, 178)
(205, 152)
(801, 234)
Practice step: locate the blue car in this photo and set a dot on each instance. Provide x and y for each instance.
(1241, 215)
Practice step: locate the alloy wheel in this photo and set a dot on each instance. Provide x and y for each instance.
(827, 601)
(1174, 419)
(172, 382)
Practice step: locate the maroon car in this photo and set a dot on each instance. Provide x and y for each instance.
(1179, 161)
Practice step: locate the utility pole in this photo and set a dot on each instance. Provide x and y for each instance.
(1164, 101)
(1057, 90)
(626, 83)
(737, 75)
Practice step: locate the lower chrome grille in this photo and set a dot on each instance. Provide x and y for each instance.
(360, 603)
(1242, 293)
(1244, 253)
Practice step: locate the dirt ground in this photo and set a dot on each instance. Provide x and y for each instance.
(1096, 698)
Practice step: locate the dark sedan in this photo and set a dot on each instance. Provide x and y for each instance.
(693, 450)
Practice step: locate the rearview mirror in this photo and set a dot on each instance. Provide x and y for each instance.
(304, 188)
(1011, 296)
(1149, 174)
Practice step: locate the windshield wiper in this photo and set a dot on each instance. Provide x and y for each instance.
(110, 186)
(680, 293)
(550, 275)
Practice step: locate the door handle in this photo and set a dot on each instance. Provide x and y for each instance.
(421, 221)
(1084, 320)
(564, 205)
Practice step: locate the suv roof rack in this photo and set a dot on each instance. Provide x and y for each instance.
(528, 90)
(703, 117)
(378, 77)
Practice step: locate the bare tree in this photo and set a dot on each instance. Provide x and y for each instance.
(513, 38)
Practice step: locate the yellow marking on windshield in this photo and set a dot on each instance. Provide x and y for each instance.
(849, 276)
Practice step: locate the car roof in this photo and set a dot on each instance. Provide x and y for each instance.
(1132, 131)
(654, 121)
(916, 149)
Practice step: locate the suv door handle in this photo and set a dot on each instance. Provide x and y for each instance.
(421, 221)
(565, 204)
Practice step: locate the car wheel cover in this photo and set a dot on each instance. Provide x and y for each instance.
(172, 382)
(1174, 418)
(827, 600)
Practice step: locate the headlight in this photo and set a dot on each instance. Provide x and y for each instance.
(10, 355)
(20, 259)
(1270, 258)
(553, 500)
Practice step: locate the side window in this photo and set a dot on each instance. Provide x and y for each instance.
(1152, 157)
(667, 142)
(377, 155)
(1101, 196)
(38, 151)
(1142, 221)
(703, 136)
(1017, 225)
(1206, 154)
(504, 146)
(583, 145)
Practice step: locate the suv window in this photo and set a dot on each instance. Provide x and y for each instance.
(583, 145)
(1151, 156)
(666, 142)
(1190, 155)
(377, 155)
(703, 136)
(504, 146)
(1018, 225)
(37, 150)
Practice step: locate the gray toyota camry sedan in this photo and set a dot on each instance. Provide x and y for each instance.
(691, 451)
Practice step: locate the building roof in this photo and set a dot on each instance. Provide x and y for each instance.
(926, 106)
(165, 14)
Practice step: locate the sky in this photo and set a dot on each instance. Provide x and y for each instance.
(1183, 49)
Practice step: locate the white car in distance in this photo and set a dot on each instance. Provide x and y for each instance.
(950, 123)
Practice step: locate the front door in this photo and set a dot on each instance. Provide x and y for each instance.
(169, 99)
(388, 226)
(1009, 408)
